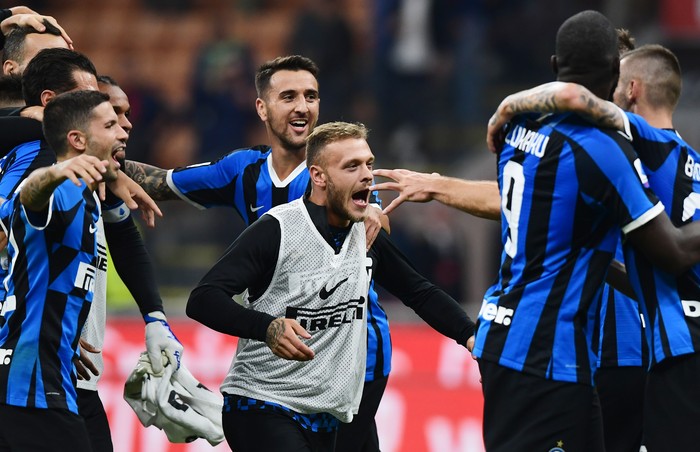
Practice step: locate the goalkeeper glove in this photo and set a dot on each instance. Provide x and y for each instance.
(161, 342)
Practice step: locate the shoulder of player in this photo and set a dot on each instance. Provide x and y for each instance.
(253, 153)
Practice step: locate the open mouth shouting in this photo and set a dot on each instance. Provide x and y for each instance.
(118, 155)
(361, 198)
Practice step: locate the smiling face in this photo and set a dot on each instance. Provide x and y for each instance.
(289, 107)
(347, 170)
(106, 140)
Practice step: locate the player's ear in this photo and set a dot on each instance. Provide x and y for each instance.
(317, 175)
(77, 140)
(553, 63)
(10, 67)
(260, 108)
(46, 96)
(634, 90)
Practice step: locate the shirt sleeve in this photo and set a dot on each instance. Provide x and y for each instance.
(249, 263)
(395, 273)
(20, 163)
(611, 175)
(210, 184)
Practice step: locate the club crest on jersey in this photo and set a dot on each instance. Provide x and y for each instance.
(85, 277)
(328, 316)
(559, 448)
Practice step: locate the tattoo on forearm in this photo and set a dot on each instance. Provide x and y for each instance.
(274, 332)
(600, 112)
(37, 190)
(152, 179)
(604, 114)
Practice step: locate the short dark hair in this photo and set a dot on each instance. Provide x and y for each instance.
(329, 133)
(107, 80)
(586, 50)
(14, 42)
(66, 112)
(11, 90)
(284, 63)
(53, 69)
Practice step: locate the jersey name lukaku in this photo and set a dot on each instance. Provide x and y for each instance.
(326, 293)
(53, 263)
(244, 179)
(566, 190)
(671, 304)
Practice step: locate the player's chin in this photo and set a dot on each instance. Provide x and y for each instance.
(111, 175)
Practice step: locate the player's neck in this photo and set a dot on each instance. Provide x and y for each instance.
(656, 117)
(285, 161)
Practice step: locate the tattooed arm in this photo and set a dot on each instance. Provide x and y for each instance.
(40, 185)
(553, 97)
(152, 179)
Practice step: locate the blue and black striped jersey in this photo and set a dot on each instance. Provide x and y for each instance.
(20, 162)
(53, 261)
(621, 341)
(671, 304)
(245, 180)
(567, 189)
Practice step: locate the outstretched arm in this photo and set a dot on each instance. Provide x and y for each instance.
(152, 179)
(40, 185)
(554, 97)
(478, 198)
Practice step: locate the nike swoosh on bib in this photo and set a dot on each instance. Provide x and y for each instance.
(255, 209)
(327, 293)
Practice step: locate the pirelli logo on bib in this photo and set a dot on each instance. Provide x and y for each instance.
(329, 316)
(85, 278)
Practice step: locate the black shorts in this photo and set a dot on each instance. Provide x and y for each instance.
(621, 393)
(42, 430)
(526, 413)
(257, 430)
(93, 412)
(672, 405)
(361, 434)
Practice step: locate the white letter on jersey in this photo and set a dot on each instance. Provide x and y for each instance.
(691, 308)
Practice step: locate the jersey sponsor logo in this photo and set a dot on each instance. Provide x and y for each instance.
(5, 356)
(255, 209)
(498, 314)
(329, 316)
(324, 294)
(692, 169)
(101, 258)
(691, 308)
(528, 141)
(85, 278)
